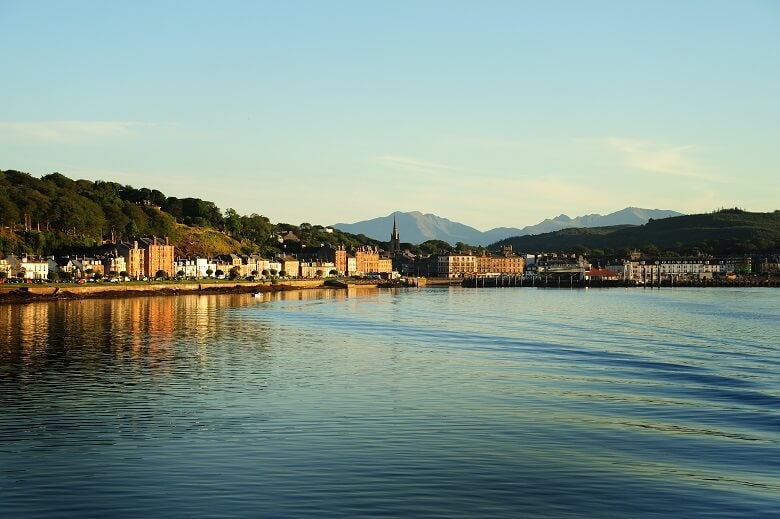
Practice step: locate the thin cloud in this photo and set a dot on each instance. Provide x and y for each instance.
(415, 165)
(492, 143)
(652, 157)
(67, 132)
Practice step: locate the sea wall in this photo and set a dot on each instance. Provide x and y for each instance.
(28, 292)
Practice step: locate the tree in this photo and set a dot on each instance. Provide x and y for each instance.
(282, 273)
(265, 273)
(209, 272)
(232, 223)
(234, 272)
(97, 276)
(273, 272)
(319, 273)
(650, 250)
(123, 274)
(3, 274)
(180, 274)
(161, 274)
(219, 273)
(333, 273)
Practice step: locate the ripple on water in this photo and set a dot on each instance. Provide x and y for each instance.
(420, 403)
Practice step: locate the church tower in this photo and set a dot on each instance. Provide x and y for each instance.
(395, 239)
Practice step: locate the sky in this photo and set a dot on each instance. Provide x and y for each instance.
(487, 113)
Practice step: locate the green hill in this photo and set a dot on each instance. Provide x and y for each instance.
(728, 231)
(57, 215)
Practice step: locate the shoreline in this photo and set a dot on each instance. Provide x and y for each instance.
(26, 293)
(22, 294)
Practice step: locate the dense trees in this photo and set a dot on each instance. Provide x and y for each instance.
(55, 214)
(724, 232)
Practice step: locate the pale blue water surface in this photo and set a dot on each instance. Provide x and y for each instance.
(416, 403)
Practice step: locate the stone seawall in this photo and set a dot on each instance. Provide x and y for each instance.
(26, 292)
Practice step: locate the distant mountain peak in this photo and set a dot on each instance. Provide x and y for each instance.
(417, 227)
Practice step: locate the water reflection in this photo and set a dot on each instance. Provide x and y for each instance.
(425, 403)
(132, 329)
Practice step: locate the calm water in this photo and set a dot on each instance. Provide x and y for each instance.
(420, 403)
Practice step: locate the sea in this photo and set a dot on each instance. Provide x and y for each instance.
(431, 402)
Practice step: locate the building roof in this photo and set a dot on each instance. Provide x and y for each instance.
(602, 273)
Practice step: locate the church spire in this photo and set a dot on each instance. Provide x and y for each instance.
(395, 238)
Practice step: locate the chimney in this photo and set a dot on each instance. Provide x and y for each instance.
(135, 244)
(166, 241)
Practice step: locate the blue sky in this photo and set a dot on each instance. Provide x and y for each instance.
(488, 113)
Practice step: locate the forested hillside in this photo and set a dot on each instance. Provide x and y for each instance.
(55, 214)
(727, 231)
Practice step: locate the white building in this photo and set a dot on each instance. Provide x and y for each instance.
(188, 266)
(28, 267)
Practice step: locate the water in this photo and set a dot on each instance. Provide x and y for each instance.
(419, 403)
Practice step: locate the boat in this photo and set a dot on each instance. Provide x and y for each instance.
(257, 294)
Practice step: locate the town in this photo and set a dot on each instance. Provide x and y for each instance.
(154, 258)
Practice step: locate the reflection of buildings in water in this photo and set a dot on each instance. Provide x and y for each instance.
(145, 328)
(31, 323)
(145, 331)
(311, 294)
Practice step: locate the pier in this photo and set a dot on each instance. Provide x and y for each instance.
(555, 281)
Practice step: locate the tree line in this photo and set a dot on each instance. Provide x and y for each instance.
(55, 214)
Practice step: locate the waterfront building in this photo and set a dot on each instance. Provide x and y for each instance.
(455, 265)
(290, 266)
(506, 263)
(385, 265)
(460, 265)
(252, 265)
(621, 269)
(648, 270)
(5, 267)
(605, 274)
(334, 254)
(563, 266)
(188, 266)
(316, 269)
(87, 267)
(158, 256)
(134, 259)
(274, 265)
(366, 260)
(114, 264)
(340, 260)
(203, 265)
(26, 267)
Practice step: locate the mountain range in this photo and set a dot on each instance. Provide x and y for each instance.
(416, 227)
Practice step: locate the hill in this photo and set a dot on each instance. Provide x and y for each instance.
(57, 215)
(729, 231)
(416, 227)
